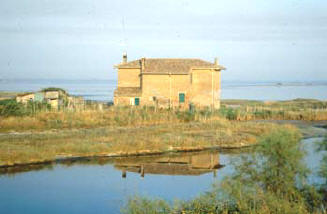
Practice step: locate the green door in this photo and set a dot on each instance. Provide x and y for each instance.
(181, 97)
(137, 101)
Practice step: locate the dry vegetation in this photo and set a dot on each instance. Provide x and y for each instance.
(241, 110)
(46, 136)
(48, 146)
(298, 109)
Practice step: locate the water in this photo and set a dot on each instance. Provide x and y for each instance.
(99, 186)
(102, 90)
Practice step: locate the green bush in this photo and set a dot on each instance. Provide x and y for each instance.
(229, 113)
(12, 108)
(141, 205)
(185, 116)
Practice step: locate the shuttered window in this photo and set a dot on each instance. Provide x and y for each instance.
(181, 97)
(137, 101)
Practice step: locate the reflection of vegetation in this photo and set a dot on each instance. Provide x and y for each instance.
(26, 168)
(201, 161)
(49, 165)
(272, 180)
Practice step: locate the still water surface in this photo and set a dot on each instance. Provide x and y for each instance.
(104, 185)
(102, 90)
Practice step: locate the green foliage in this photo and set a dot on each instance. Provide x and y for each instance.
(11, 108)
(141, 205)
(273, 176)
(207, 112)
(53, 89)
(229, 113)
(185, 116)
(263, 114)
(5, 102)
(281, 164)
(323, 170)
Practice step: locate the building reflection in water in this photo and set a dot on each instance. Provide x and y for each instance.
(191, 163)
(181, 163)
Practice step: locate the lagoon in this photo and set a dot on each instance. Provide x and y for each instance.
(101, 185)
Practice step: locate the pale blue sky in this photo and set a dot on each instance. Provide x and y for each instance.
(82, 39)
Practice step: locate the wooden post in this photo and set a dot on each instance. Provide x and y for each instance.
(142, 171)
(169, 89)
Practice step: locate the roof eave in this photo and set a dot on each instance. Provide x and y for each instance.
(164, 73)
(210, 68)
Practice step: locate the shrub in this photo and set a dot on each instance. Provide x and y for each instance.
(12, 108)
(185, 116)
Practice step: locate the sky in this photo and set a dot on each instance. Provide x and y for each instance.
(271, 40)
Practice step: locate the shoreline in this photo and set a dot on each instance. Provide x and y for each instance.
(316, 129)
(121, 155)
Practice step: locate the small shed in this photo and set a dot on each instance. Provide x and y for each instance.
(25, 97)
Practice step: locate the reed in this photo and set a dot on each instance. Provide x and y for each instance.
(106, 141)
(310, 110)
(298, 109)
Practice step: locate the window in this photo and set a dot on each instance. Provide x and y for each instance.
(181, 97)
(136, 101)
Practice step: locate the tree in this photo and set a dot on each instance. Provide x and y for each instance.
(272, 178)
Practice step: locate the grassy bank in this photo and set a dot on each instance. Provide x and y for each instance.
(241, 110)
(48, 135)
(50, 145)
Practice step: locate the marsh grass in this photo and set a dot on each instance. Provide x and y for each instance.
(298, 109)
(309, 110)
(47, 135)
(106, 141)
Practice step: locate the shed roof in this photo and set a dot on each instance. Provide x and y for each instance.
(24, 94)
(170, 65)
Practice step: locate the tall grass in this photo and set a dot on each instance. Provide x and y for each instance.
(299, 109)
(91, 117)
(49, 145)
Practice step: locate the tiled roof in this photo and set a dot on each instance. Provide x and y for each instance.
(169, 65)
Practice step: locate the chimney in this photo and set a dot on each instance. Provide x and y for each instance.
(142, 64)
(124, 57)
(216, 61)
